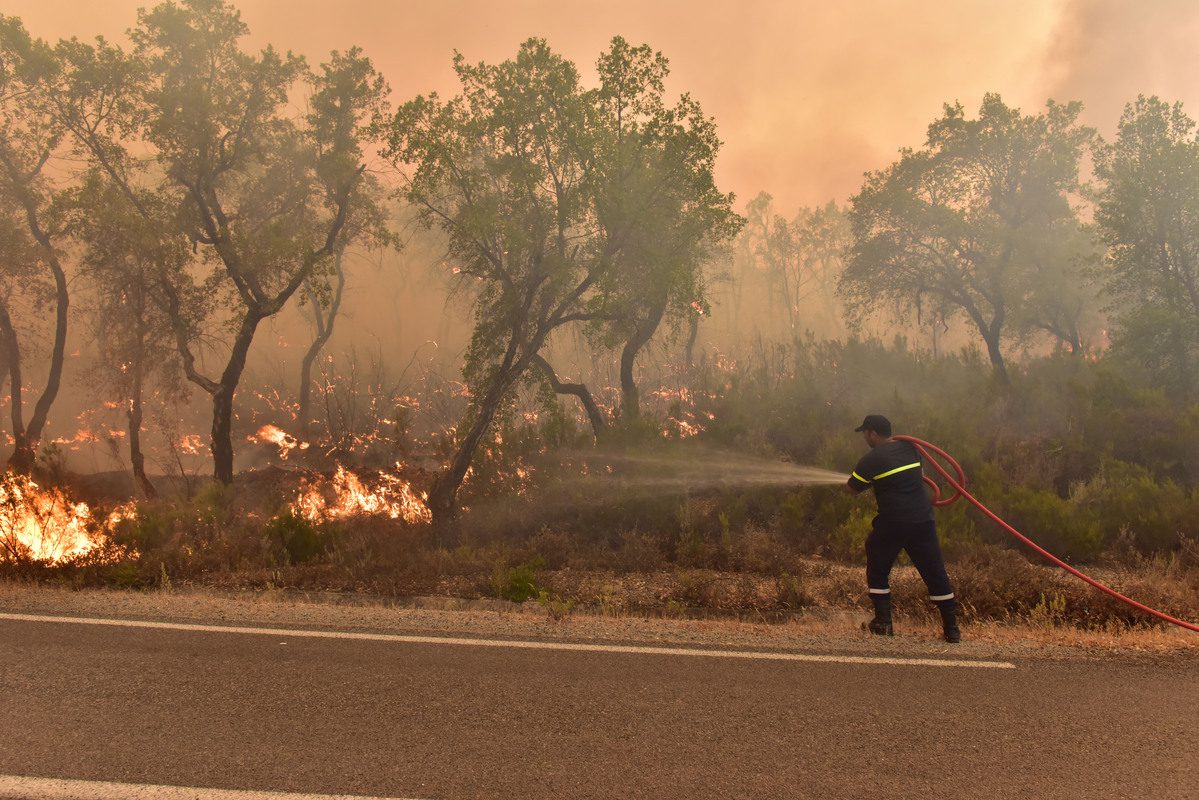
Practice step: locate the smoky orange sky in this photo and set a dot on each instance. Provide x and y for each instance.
(807, 95)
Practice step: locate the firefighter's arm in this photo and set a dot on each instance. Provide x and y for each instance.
(857, 483)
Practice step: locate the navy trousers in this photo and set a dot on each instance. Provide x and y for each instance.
(919, 541)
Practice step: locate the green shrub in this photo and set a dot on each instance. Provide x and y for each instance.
(150, 530)
(125, 575)
(848, 540)
(301, 539)
(1053, 523)
(518, 583)
(1125, 497)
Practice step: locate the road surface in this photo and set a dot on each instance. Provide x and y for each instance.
(387, 716)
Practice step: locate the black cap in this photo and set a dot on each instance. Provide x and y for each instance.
(875, 422)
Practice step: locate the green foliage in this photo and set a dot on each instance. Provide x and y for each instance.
(1050, 610)
(518, 583)
(1050, 521)
(847, 541)
(561, 205)
(973, 224)
(1148, 214)
(556, 608)
(1125, 498)
(300, 538)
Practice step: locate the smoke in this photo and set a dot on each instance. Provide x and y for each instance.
(807, 95)
(1106, 52)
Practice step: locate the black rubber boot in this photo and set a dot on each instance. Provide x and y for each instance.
(881, 624)
(949, 620)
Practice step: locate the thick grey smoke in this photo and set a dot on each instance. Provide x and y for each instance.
(1106, 52)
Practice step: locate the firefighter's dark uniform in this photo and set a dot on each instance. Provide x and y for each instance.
(904, 522)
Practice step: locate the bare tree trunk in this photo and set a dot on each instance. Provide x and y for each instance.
(1073, 340)
(630, 403)
(27, 436)
(443, 496)
(222, 400)
(136, 457)
(997, 360)
(58, 355)
(22, 456)
(692, 335)
(578, 390)
(324, 332)
(992, 334)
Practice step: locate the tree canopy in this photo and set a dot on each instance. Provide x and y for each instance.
(972, 219)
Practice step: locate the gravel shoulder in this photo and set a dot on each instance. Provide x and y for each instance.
(829, 631)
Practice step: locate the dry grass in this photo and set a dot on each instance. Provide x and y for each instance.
(747, 572)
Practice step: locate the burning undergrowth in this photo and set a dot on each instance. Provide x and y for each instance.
(44, 524)
(345, 494)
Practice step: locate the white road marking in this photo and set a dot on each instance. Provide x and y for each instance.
(17, 787)
(515, 644)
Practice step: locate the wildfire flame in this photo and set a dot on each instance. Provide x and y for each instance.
(192, 444)
(280, 438)
(43, 524)
(345, 495)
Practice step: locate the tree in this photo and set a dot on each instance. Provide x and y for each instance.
(658, 196)
(324, 289)
(504, 169)
(29, 137)
(967, 219)
(1148, 214)
(263, 196)
(1065, 305)
(791, 266)
(769, 246)
(121, 261)
(823, 236)
(525, 171)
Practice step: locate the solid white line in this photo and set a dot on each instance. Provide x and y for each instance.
(520, 645)
(17, 787)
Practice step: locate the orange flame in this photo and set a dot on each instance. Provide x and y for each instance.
(278, 437)
(43, 524)
(345, 495)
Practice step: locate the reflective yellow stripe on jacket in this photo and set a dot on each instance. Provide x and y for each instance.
(893, 471)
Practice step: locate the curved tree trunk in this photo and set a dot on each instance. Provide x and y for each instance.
(578, 390)
(222, 400)
(630, 403)
(27, 438)
(443, 496)
(324, 332)
(992, 334)
(997, 360)
(136, 458)
(62, 302)
(21, 459)
(692, 335)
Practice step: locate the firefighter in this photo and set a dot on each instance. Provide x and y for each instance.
(904, 522)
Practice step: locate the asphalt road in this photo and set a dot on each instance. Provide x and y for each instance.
(311, 715)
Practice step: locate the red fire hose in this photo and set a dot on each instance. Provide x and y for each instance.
(958, 482)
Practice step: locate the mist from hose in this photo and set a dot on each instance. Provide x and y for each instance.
(695, 470)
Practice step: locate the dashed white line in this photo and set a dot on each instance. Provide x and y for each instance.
(578, 647)
(17, 787)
